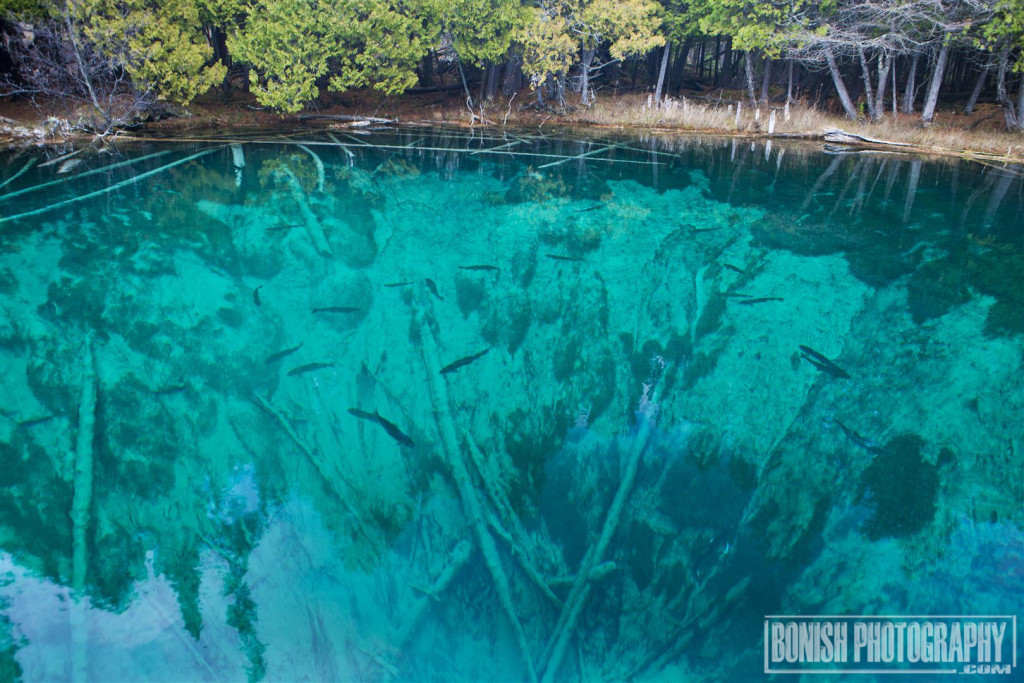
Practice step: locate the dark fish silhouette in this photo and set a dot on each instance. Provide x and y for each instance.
(590, 208)
(256, 295)
(284, 227)
(733, 268)
(336, 309)
(32, 421)
(452, 367)
(480, 268)
(821, 362)
(432, 286)
(705, 229)
(274, 357)
(399, 284)
(393, 431)
(309, 367)
(558, 257)
(858, 439)
(760, 300)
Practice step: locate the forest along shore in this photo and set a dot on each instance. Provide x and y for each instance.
(944, 76)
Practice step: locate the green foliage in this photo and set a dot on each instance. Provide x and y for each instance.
(753, 25)
(558, 31)
(284, 40)
(481, 30)
(1006, 26)
(291, 44)
(159, 44)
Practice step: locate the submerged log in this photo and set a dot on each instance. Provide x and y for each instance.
(82, 500)
(312, 223)
(471, 503)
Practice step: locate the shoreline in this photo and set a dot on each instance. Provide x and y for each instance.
(26, 125)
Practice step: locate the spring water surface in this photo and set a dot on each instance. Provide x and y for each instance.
(427, 405)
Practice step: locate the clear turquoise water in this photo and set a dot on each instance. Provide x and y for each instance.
(180, 501)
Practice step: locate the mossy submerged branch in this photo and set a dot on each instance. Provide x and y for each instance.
(109, 188)
(84, 174)
(312, 223)
(464, 484)
(82, 500)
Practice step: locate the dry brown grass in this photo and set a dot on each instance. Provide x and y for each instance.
(952, 134)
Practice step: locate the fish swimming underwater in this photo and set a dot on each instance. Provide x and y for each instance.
(274, 357)
(309, 367)
(432, 286)
(393, 431)
(452, 367)
(256, 295)
(760, 300)
(819, 361)
(558, 257)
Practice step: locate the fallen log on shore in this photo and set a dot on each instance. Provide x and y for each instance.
(346, 118)
(835, 135)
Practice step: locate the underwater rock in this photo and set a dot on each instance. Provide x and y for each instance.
(901, 487)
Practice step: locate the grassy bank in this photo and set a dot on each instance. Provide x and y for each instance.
(980, 135)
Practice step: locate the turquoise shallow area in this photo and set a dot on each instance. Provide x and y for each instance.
(713, 381)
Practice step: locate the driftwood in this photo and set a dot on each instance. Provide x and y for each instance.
(345, 117)
(835, 135)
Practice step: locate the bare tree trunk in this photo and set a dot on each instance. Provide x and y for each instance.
(513, 75)
(928, 113)
(766, 80)
(911, 86)
(865, 74)
(83, 70)
(884, 64)
(749, 68)
(1020, 105)
(837, 79)
(979, 85)
(585, 64)
(465, 86)
(661, 73)
(789, 82)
